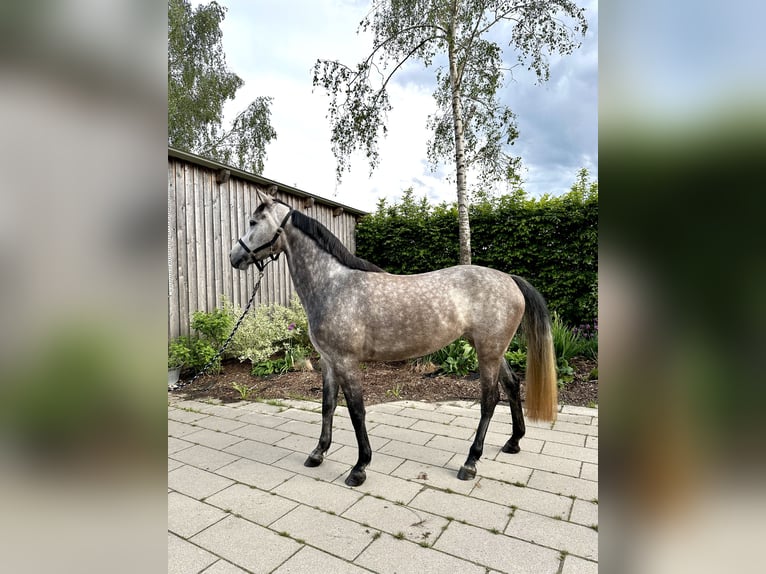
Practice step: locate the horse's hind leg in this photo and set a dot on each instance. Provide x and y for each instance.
(329, 402)
(512, 384)
(489, 398)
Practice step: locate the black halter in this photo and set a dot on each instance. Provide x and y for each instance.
(269, 244)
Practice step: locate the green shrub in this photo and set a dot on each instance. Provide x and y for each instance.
(567, 342)
(197, 352)
(179, 354)
(268, 330)
(214, 327)
(457, 358)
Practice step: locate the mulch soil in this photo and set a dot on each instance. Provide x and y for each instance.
(382, 382)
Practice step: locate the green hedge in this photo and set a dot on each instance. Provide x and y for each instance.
(550, 241)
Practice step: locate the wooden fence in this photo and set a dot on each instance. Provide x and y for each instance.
(209, 205)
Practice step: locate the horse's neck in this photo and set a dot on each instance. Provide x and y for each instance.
(312, 269)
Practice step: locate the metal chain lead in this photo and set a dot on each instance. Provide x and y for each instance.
(181, 384)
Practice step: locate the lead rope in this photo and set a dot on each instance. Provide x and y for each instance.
(181, 384)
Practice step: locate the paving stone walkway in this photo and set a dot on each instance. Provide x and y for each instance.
(240, 499)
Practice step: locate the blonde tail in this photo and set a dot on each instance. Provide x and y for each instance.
(541, 380)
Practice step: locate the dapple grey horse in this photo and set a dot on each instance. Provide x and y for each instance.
(357, 312)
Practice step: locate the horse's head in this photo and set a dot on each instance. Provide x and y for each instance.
(263, 237)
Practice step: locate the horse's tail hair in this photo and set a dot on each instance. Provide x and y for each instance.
(541, 380)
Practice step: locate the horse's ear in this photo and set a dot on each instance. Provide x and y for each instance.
(264, 197)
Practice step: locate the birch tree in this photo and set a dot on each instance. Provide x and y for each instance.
(200, 83)
(462, 41)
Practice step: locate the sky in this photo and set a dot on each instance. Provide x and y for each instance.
(273, 44)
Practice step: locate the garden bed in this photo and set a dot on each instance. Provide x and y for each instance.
(382, 382)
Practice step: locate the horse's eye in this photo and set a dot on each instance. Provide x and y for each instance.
(252, 223)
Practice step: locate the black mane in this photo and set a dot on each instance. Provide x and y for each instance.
(331, 244)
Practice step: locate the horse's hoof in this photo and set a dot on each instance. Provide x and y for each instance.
(466, 473)
(314, 460)
(356, 477)
(511, 447)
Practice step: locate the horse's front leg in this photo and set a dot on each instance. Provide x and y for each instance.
(329, 402)
(352, 390)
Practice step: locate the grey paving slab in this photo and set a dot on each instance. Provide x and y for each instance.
(589, 471)
(218, 423)
(591, 442)
(416, 452)
(387, 555)
(179, 430)
(328, 471)
(251, 503)
(186, 558)
(311, 560)
(391, 408)
(576, 428)
(332, 534)
(309, 416)
(195, 482)
(300, 443)
(395, 519)
(388, 487)
(493, 442)
(188, 516)
(433, 476)
(450, 505)
(389, 419)
(405, 435)
(579, 419)
(580, 453)
(585, 513)
(258, 407)
(556, 436)
(348, 438)
(259, 451)
(380, 462)
(450, 444)
(298, 404)
(497, 551)
(560, 534)
(543, 461)
(174, 464)
(176, 444)
(565, 485)
(213, 439)
(269, 420)
(246, 544)
(260, 433)
(441, 429)
(499, 470)
(585, 411)
(224, 567)
(317, 493)
(204, 457)
(529, 499)
(185, 416)
(575, 565)
(420, 414)
(254, 473)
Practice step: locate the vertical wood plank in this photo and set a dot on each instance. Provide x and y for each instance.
(174, 324)
(219, 248)
(183, 260)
